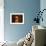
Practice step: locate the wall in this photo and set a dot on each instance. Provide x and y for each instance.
(29, 8)
(43, 6)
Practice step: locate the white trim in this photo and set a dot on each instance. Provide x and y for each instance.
(1, 25)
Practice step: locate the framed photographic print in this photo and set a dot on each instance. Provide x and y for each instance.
(16, 18)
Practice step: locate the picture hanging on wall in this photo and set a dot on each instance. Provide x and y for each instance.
(16, 18)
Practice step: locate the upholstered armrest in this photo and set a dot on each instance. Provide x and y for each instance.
(20, 42)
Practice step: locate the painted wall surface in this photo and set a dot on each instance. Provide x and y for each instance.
(29, 8)
(43, 6)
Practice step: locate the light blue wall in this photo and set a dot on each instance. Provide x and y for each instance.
(43, 6)
(29, 8)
